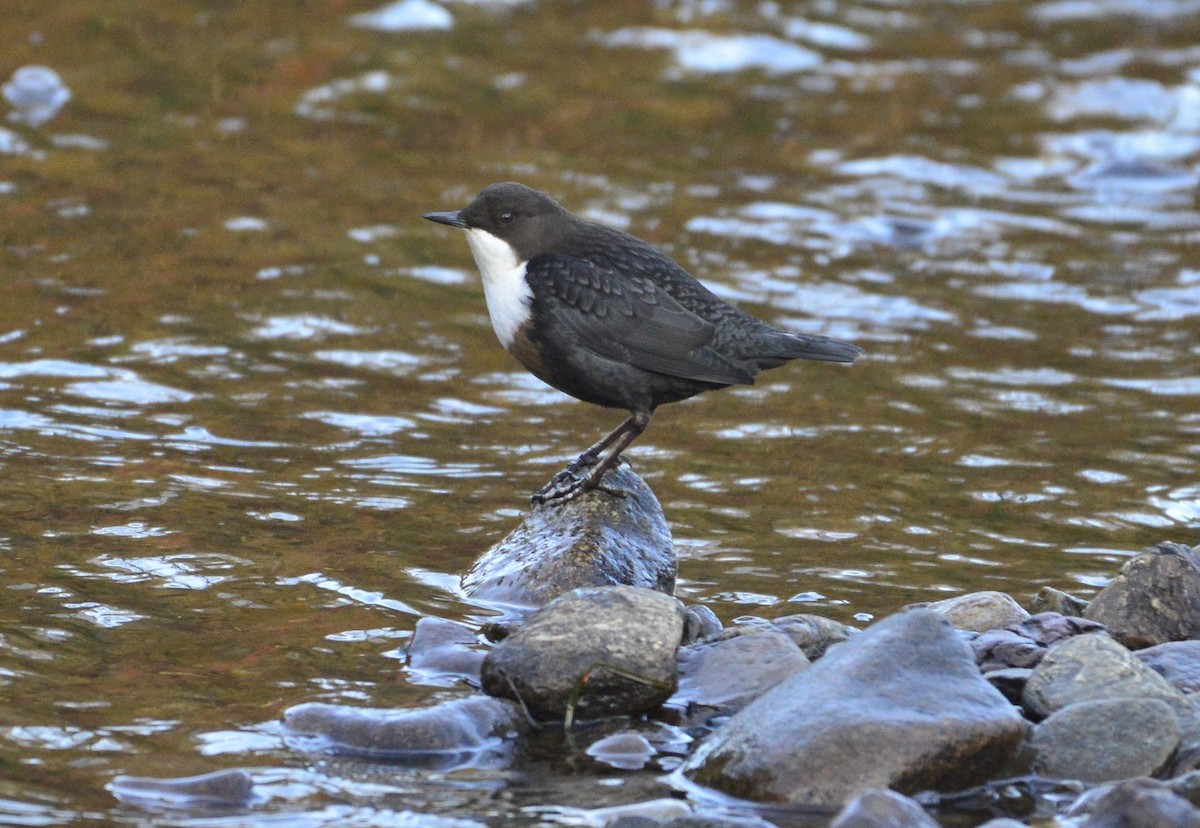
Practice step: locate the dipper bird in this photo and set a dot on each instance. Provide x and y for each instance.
(611, 320)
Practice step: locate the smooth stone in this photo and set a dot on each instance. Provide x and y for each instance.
(882, 809)
(1003, 822)
(219, 789)
(625, 750)
(1049, 599)
(980, 611)
(578, 635)
(727, 673)
(814, 634)
(1090, 741)
(444, 653)
(1155, 598)
(461, 732)
(596, 539)
(1176, 661)
(1133, 803)
(900, 705)
(1093, 668)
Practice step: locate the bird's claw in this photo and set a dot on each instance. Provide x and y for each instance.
(570, 483)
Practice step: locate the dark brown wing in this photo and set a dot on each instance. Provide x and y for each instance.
(628, 319)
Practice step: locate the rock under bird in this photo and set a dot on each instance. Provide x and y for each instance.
(610, 319)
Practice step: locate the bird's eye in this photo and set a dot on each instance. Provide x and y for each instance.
(505, 218)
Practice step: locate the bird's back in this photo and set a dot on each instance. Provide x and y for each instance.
(737, 335)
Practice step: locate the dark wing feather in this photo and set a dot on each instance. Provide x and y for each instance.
(628, 319)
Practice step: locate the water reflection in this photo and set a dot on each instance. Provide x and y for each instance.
(253, 420)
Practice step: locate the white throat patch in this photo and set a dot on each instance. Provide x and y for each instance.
(504, 286)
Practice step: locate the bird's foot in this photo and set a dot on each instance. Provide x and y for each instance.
(563, 487)
(578, 477)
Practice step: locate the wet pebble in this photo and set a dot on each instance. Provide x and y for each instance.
(1133, 803)
(728, 672)
(597, 539)
(1176, 661)
(1024, 644)
(444, 652)
(625, 750)
(900, 705)
(220, 789)
(468, 731)
(881, 808)
(1155, 598)
(1081, 741)
(700, 623)
(614, 647)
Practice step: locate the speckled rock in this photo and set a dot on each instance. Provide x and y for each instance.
(1049, 599)
(1154, 598)
(583, 632)
(980, 611)
(814, 634)
(1094, 667)
(1176, 661)
(597, 539)
(1089, 741)
(900, 705)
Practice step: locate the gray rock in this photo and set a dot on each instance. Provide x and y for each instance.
(584, 633)
(219, 789)
(466, 731)
(1054, 600)
(701, 622)
(882, 809)
(1092, 668)
(1176, 661)
(1089, 741)
(1002, 822)
(814, 634)
(1133, 803)
(900, 705)
(980, 611)
(728, 672)
(1154, 598)
(443, 653)
(597, 539)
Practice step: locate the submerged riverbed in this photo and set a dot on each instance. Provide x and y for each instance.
(254, 421)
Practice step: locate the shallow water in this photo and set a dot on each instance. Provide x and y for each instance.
(254, 422)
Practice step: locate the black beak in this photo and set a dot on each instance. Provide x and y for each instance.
(453, 218)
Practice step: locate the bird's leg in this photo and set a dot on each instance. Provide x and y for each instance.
(592, 452)
(568, 484)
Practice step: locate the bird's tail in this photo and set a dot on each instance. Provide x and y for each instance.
(789, 346)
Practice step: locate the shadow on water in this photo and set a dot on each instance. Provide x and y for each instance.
(254, 422)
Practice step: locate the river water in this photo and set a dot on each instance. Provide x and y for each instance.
(254, 421)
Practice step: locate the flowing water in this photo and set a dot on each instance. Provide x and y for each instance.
(254, 421)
